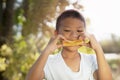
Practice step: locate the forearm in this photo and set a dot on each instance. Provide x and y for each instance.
(104, 71)
(36, 71)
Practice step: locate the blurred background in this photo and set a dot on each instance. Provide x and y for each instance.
(27, 25)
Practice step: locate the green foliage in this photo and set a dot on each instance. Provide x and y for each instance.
(16, 59)
(5, 52)
(114, 64)
(111, 45)
(115, 67)
(3, 65)
(39, 12)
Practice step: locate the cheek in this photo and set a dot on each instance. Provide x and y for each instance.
(66, 35)
(82, 34)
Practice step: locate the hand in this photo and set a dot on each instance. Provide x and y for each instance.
(53, 43)
(93, 43)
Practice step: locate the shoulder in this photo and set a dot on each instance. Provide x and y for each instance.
(89, 58)
(53, 57)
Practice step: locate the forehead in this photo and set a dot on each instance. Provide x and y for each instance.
(72, 23)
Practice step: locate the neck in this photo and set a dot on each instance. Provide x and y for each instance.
(69, 54)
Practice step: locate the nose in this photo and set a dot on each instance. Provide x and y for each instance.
(74, 35)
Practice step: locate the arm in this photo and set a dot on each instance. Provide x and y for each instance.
(104, 71)
(37, 70)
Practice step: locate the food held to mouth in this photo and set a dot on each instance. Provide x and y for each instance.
(75, 42)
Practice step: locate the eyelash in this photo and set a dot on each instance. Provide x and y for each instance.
(67, 30)
(70, 30)
(79, 31)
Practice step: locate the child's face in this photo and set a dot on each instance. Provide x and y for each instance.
(72, 28)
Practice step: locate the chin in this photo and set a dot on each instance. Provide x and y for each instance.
(72, 49)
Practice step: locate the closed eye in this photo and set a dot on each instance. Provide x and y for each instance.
(79, 30)
(67, 30)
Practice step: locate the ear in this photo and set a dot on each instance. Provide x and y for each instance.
(55, 32)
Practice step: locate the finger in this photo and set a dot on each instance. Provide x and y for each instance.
(86, 38)
(61, 37)
(80, 38)
(59, 46)
(53, 37)
(92, 40)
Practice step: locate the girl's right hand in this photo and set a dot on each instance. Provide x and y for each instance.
(53, 43)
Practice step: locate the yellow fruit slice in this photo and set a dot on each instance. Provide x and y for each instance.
(86, 50)
(75, 42)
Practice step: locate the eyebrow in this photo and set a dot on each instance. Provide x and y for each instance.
(70, 26)
(65, 26)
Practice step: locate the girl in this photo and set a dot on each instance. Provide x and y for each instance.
(69, 64)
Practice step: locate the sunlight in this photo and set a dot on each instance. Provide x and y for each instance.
(104, 16)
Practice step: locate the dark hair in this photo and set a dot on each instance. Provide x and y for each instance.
(69, 13)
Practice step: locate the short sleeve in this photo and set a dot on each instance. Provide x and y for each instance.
(94, 66)
(94, 63)
(47, 70)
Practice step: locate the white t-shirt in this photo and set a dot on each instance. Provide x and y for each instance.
(56, 68)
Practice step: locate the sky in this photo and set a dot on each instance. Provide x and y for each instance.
(104, 17)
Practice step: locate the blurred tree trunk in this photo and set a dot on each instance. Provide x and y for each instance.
(6, 21)
(26, 7)
(0, 13)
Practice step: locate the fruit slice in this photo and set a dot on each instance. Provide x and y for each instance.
(75, 42)
(86, 50)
